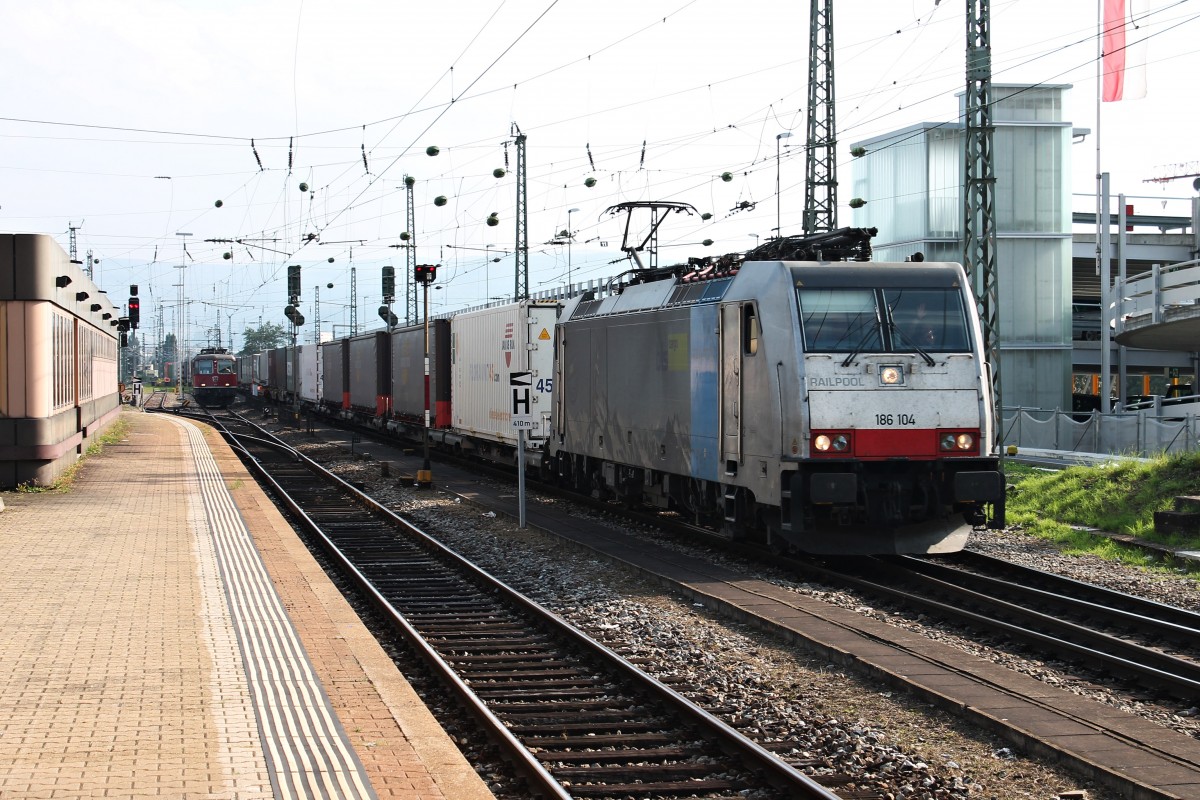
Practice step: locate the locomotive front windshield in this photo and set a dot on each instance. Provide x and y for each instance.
(909, 320)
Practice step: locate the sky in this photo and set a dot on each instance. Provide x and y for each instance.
(280, 132)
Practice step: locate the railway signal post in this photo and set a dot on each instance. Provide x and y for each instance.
(425, 274)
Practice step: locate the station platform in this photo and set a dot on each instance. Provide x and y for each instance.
(166, 634)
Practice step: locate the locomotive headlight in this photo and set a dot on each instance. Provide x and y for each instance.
(891, 375)
(836, 443)
(962, 442)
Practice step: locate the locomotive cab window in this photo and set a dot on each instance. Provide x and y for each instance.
(893, 320)
(932, 320)
(839, 320)
(204, 367)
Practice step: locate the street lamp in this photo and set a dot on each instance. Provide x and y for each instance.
(570, 236)
(487, 260)
(778, 210)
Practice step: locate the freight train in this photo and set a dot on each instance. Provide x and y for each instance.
(214, 377)
(819, 405)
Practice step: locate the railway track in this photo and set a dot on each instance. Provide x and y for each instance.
(574, 718)
(1112, 749)
(1154, 647)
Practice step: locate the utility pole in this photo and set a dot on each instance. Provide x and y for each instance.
(521, 292)
(820, 185)
(180, 314)
(979, 212)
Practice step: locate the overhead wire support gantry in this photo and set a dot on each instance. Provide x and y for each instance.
(820, 186)
(979, 208)
(522, 242)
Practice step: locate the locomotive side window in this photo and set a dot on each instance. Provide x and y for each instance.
(750, 330)
(839, 320)
(927, 319)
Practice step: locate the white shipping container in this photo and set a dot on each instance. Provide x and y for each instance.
(262, 374)
(310, 373)
(487, 347)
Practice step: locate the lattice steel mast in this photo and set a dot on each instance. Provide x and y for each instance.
(979, 209)
(410, 254)
(521, 291)
(820, 186)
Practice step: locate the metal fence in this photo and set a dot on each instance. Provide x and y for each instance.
(1135, 433)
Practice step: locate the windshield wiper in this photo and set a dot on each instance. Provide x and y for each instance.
(897, 332)
(862, 345)
(863, 341)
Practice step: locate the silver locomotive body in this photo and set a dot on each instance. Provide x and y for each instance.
(792, 401)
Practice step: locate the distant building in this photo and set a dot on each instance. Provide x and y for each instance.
(1049, 300)
(912, 181)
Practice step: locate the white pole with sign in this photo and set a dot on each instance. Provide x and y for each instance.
(522, 420)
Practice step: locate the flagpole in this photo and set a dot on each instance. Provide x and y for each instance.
(1102, 224)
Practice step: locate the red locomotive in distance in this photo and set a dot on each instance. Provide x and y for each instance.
(214, 377)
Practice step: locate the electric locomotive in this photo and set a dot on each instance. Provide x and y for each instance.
(829, 407)
(214, 377)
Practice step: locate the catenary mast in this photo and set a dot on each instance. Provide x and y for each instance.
(979, 209)
(820, 186)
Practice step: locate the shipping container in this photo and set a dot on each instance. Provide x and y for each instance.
(262, 372)
(490, 349)
(310, 373)
(335, 382)
(245, 369)
(277, 371)
(370, 366)
(408, 374)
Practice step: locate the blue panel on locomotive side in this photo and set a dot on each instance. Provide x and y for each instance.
(703, 360)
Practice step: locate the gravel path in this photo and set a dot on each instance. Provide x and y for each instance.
(832, 721)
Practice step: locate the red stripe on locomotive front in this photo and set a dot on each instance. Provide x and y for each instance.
(893, 443)
(877, 444)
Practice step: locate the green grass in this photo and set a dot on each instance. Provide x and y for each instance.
(113, 434)
(1120, 498)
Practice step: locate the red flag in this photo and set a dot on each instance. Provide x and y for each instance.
(1124, 65)
(1114, 50)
